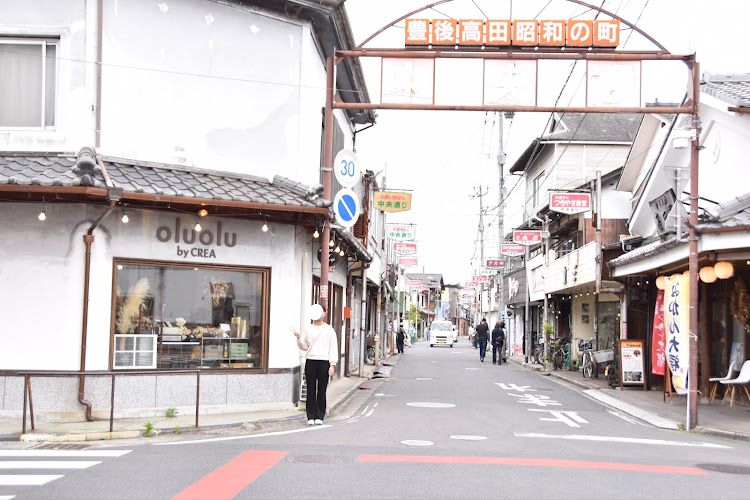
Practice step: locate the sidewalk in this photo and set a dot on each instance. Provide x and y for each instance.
(650, 406)
(10, 430)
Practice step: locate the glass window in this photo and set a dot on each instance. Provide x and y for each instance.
(537, 190)
(28, 82)
(199, 317)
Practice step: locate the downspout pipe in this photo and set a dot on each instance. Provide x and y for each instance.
(88, 239)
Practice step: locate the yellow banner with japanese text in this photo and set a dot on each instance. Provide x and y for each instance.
(677, 328)
(392, 201)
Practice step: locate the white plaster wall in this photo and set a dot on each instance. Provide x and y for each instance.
(42, 279)
(75, 116)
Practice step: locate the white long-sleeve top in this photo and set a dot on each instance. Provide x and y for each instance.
(319, 342)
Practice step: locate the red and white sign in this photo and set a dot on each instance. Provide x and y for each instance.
(324, 291)
(512, 250)
(481, 279)
(408, 261)
(470, 284)
(404, 248)
(495, 263)
(414, 283)
(527, 237)
(570, 203)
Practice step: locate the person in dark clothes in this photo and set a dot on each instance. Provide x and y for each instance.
(483, 335)
(400, 336)
(498, 339)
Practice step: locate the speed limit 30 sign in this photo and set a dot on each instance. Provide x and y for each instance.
(346, 168)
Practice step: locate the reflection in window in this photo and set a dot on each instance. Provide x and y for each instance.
(201, 317)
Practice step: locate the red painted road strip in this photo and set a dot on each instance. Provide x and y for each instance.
(532, 462)
(229, 479)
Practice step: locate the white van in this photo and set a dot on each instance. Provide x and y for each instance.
(442, 333)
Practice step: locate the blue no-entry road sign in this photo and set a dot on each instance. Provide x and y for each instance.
(346, 207)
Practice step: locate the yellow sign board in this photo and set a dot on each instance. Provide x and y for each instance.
(392, 201)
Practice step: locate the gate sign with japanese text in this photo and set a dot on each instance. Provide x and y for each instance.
(504, 32)
(346, 168)
(495, 263)
(392, 201)
(405, 248)
(527, 237)
(512, 250)
(408, 261)
(570, 203)
(401, 232)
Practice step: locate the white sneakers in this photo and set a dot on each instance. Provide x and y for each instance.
(315, 422)
(311, 422)
(318, 422)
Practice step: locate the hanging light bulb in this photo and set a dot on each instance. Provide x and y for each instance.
(341, 253)
(265, 225)
(331, 243)
(198, 227)
(316, 234)
(43, 213)
(338, 249)
(125, 218)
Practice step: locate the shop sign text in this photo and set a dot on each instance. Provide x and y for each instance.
(207, 238)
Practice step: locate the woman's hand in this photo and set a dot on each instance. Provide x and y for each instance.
(331, 370)
(295, 332)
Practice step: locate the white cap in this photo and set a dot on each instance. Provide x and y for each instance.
(315, 312)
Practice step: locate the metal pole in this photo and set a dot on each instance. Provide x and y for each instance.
(501, 226)
(598, 260)
(327, 169)
(692, 410)
(362, 331)
(527, 318)
(197, 396)
(112, 406)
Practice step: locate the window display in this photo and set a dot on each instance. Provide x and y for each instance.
(199, 317)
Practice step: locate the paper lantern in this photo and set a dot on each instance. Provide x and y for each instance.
(707, 274)
(686, 273)
(661, 282)
(724, 270)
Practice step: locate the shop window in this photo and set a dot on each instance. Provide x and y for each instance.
(28, 82)
(169, 316)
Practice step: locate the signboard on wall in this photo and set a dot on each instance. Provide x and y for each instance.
(527, 237)
(495, 263)
(570, 203)
(512, 250)
(404, 248)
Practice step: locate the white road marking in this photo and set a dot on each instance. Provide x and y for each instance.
(472, 368)
(468, 437)
(566, 417)
(424, 378)
(63, 453)
(615, 439)
(380, 395)
(626, 418)
(431, 405)
(233, 438)
(514, 387)
(24, 480)
(52, 464)
(417, 442)
(7, 497)
(534, 399)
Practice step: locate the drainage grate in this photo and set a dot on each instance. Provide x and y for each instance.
(61, 446)
(320, 459)
(726, 468)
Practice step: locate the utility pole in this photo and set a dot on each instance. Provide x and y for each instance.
(481, 246)
(501, 217)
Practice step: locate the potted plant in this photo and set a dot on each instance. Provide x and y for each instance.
(548, 330)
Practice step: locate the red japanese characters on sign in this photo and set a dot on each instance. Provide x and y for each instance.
(512, 250)
(481, 279)
(470, 284)
(527, 237)
(495, 263)
(570, 203)
(414, 283)
(408, 261)
(405, 248)
(521, 32)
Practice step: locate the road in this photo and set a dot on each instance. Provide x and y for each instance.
(444, 425)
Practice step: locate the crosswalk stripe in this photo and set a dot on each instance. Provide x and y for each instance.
(27, 480)
(51, 464)
(7, 497)
(63, 453)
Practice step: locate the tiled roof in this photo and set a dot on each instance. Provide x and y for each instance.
(428, 280)
(597, 127)
(733, 89)
(644, 251)
(152, 178)
(733, 213)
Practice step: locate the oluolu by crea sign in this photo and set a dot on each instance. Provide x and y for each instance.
(197, 244)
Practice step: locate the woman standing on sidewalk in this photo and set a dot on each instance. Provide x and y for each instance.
(321, 354)
(498, 339)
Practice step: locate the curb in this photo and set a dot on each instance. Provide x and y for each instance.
(723, 434)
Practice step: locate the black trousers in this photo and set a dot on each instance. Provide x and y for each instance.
(316, 373)
(497, 352)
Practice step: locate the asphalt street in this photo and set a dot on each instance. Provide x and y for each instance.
(444, 425)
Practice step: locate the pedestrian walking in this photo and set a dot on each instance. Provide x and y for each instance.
(400, 336)
(498, 339)
(482, 335)
(473, 336)
(319, 342)
(428, 334)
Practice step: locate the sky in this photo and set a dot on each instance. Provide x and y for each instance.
(448, 159)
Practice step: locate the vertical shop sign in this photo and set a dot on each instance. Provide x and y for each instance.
(658, 341)
(676, 324)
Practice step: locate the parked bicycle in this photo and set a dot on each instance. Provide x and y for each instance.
(612, 370)
(560, 352)
(537, 354)
(587, 347)
(370, 358)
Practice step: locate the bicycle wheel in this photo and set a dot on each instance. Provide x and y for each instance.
(538, 354)
(588, 365)
(559, 358)
(370, 359)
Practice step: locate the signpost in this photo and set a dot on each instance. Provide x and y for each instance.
(527, 237)
(401, 232)
(392, 201)
(512, 250)
(346, 207)
(346, 168)
(570, 203)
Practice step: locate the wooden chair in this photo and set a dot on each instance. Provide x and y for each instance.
(714, 382)
(742, 380)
